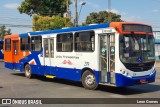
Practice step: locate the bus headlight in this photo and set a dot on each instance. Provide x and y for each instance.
(123, 72)
(152, 71)
(126, 73)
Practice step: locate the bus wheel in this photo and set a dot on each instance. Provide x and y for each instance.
(27, 71)
(89, 80)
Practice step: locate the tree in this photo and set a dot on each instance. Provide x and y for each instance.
(102, 17)
(43, 7)
(4, 32)
(50, 23)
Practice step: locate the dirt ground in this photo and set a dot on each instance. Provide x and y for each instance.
(157, 64)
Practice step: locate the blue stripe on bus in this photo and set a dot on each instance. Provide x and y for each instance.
(59, 72)
(98, 26)
(1, 55)
(33, 55)
(75, 74)
(24, 35)
(12, 66)
(9, 65)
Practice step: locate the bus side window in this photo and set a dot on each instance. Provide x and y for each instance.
(84, 41)
(36, 43)
(25, 44)
(65, 42)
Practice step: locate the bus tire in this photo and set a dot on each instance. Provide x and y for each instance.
(27, 71)
(89, 80)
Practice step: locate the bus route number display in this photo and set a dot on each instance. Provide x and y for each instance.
(136, 28)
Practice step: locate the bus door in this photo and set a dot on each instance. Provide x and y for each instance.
(48, 55)
(107, 57)
(15, 51)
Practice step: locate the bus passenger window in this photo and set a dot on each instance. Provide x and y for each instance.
(36, 43)
(65, 42)
(84, 41)
(25, 44)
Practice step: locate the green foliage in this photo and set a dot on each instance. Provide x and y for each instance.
(50, 23)
(102, 17)
(4, 32)
(43, 7)
(47, 14)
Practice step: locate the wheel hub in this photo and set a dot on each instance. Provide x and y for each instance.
(90, 80)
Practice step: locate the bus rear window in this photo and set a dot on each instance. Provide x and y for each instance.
(8, 44)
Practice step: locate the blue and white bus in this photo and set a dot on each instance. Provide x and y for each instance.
(117, 54)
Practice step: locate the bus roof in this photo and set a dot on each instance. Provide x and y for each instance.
(118, 25)
(12, 36)
(90, 27)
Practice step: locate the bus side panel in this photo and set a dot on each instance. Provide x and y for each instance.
(36, 68)
(72, 74)
(59, 72)
(12, 66)
(67, 73)
(16, 66)
(9, 65)
(29, 58)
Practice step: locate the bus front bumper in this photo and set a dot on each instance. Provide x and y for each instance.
(123, 81)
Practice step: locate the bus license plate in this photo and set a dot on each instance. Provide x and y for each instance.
(143, 81)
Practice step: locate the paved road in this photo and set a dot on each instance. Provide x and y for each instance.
(15, 85)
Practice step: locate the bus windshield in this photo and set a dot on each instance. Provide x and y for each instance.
(136, 48)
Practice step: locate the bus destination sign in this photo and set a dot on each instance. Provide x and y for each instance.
(136, 28)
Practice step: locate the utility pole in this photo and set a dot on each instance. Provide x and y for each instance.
(67, 9)
(76, 15)
(109, 11)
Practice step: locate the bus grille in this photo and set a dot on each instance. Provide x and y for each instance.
(139, 67)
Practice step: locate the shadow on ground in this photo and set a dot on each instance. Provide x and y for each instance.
(138, 89)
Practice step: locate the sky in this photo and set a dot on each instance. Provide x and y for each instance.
(144, 11)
